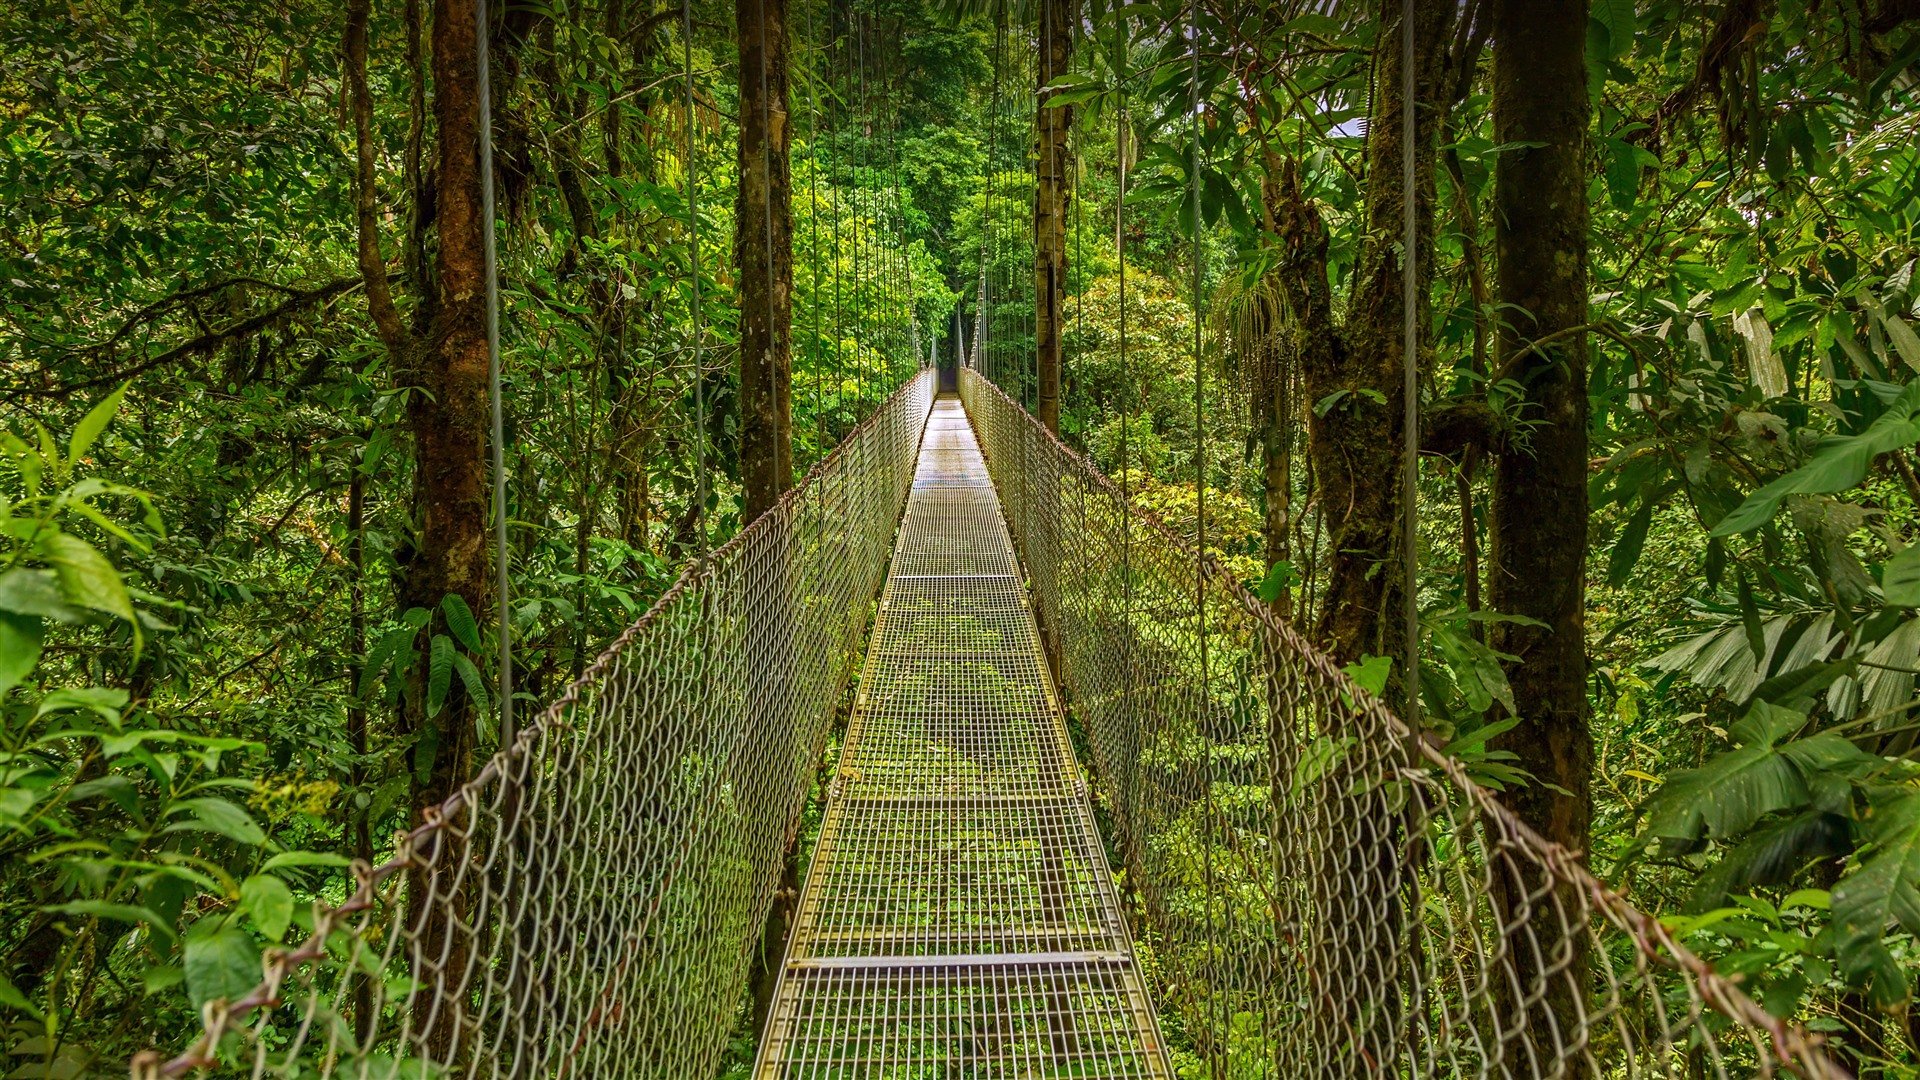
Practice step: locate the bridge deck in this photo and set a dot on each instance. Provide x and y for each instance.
(959, 918)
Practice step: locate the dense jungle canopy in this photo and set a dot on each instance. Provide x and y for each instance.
(1667, 390)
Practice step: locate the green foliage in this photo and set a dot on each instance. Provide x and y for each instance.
(159, 870)
(1754, 572)
(1884, 893)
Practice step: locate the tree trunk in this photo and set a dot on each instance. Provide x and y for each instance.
(359, 819)
(448, 418)
(1275, 419)
(446, 369)
(763, 253)
(1355, 438)
(1538, 516)
(1051, 192)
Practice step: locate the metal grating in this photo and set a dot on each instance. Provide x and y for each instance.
(1066, 1016)
(911, 876)
(959, 918)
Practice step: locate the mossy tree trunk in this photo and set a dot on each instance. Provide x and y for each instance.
(763, 255)
(441, 357)
(1538, 515)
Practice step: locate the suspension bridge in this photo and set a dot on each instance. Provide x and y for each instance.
(1152, 829)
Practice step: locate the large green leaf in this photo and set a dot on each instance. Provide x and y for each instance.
(439, 672)
(1476, 670)
(460, 620)
(1839, 463)
(1882, 894)
(382, 654)
(218, 816)
(1797, 686)
(1886, 681)
(1618, 17)
(470, 678)
(1763, 774)
(1900, 578)
(86, 577)
(12, 998)
(32, 591)
(106, 702)
(20, 637)
(1724, 657)
(91, 425)
(1905, 343)
(306, 858)
(1629, 543)
(26, 460)
(1770, 855)
(268, 900)
(1724, 797)
(131, 914)
(221, 963)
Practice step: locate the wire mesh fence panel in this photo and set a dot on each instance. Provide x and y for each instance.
(960, 918)
(590, 903)
(1321, 892)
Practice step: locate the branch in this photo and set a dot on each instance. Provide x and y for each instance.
(206, 342)
(1736, 23)
(1450, 429)
(161, 306)
(1515, 363)
(1471, 32)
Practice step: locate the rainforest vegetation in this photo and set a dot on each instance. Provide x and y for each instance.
(1667, 559)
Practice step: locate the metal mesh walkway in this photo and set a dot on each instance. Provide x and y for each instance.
(959, 918)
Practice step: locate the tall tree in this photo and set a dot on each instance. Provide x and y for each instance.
(1538, 517)
(1353, 368)
(763, 254)
(1051, 192)
(443, 360)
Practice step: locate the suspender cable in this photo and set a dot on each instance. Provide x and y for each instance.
(692, 168)
(1200, 447)
(855, 105)
(903, 255)
(863, 221)
(1079, 242)
(1043, 144)
(983, 323)
(491, 255)
(1120, 257)
(1199, 368)
(1409, 367)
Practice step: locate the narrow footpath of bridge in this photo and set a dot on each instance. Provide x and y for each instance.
(959, 918)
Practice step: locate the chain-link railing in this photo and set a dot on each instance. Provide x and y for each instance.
(590, 904)
(1322, 892)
